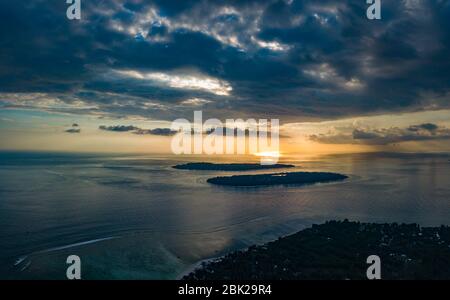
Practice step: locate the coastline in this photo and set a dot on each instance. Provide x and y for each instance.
(198, 265)
(336, 250)
(229, 167)
(286, 178)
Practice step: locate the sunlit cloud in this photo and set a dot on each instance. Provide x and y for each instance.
(323, 72)
(273, 46)
(354, 83)
(187, 82)
(327, 74)
(195, 102)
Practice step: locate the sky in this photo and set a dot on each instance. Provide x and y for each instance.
(116, 79)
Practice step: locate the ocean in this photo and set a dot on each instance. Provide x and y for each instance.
(135, 217)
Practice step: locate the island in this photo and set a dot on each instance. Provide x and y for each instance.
(292, 178)
(204, 166)
(339, 250)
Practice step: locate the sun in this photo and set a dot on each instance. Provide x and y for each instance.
(272, 154)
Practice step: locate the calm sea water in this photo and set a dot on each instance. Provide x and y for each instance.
(130, 217)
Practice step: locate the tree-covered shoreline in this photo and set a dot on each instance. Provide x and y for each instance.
(339, 250)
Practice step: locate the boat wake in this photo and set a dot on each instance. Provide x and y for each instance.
(24, 261)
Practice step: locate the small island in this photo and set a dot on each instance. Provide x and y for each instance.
(339, 250)
(293, 178)
(203, 166)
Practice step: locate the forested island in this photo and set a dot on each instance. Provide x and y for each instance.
(339, 250)
(230, 167)
(297, 178)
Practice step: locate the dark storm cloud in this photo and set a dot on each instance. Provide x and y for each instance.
(157, 131)
(139, 131)
(73, 130)
(427, 126)
(118, 128)
(294, 60)
(385, 136)
(241, 132)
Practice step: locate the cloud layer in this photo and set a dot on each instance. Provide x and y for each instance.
(385, 136)
(292, 59)
(137, 130)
